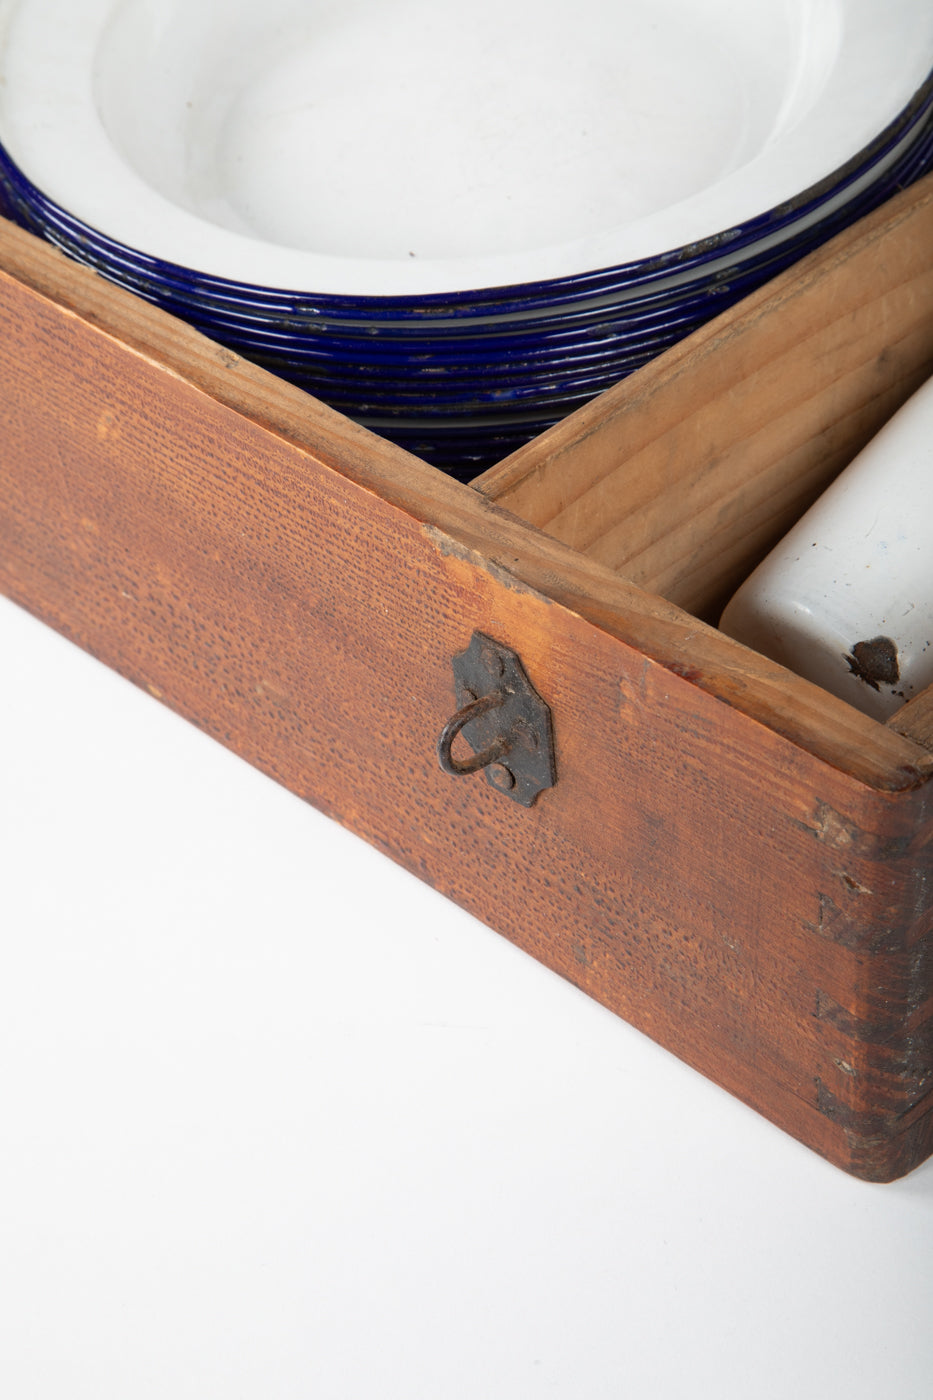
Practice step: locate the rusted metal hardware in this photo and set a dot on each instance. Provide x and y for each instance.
(503, 719)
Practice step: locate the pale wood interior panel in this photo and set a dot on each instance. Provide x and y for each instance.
(682, 476)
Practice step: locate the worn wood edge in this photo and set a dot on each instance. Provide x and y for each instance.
(879, 1154)
(502, 481)
(876, 1149)
(915, 719)
(461, 519)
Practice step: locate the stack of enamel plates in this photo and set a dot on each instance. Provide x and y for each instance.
(455, 225)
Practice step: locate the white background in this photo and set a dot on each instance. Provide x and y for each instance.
(276, 1120)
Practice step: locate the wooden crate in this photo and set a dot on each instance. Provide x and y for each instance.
(731, 859)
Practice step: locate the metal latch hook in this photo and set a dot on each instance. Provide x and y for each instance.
(503, 719)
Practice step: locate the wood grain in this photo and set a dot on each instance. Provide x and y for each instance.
(751, 684)
(298, 590)
(915, 719)
(685, 474)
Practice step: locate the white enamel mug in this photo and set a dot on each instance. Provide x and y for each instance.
(846, 598)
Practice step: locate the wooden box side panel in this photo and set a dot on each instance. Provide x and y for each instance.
(759, 912)
(44, 297)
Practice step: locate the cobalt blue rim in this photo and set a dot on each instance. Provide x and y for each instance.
(509, 300)
(467, 390)
(469, 439)
(367, 373)
(458, 345)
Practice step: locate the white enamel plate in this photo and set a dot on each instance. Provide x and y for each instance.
(846, 598)
(413, 146)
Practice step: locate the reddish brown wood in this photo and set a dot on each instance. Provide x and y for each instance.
(298, 589)
(816, 721)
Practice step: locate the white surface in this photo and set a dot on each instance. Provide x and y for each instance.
(856, 570)
(277, 1121)
(270, 143)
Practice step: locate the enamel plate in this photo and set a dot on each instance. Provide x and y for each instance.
(846, 598)
(408, 147)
